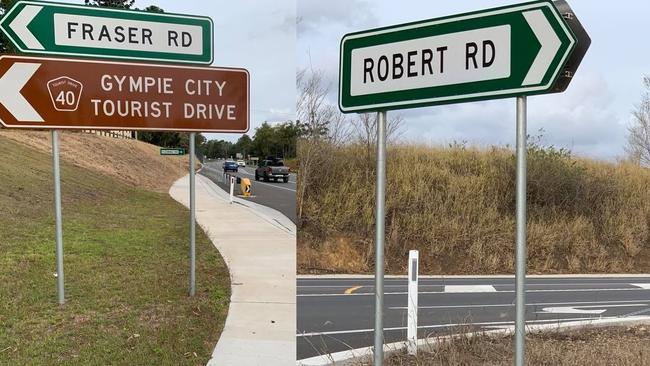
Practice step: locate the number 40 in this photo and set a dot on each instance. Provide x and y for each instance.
(67, 98)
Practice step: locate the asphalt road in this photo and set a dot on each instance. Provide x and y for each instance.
(280, 196)
(331, 320)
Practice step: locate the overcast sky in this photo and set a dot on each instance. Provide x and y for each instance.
(590, 118)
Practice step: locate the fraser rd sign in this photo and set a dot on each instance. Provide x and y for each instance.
(77, 30)
(508, 51)
(46, 93)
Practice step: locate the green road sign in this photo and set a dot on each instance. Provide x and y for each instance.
(88, 31)
(172, 151)
(496, 53)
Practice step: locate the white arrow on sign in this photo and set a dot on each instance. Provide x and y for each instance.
(550, 45)
(19, 26)
(11, 83)
(597, 309)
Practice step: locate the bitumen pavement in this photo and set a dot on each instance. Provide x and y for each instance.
(277, 195)
(337, 313)
(261, 258)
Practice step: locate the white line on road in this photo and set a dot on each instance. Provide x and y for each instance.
(497, 292)
(602, 303)
(315, 334)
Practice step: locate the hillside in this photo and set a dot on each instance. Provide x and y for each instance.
(126, 261)
(457, 205)
(133, 162)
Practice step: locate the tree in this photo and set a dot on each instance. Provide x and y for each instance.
(366, 131)
(638, 138)
(121, 4)
(244, 145)
(5, 45)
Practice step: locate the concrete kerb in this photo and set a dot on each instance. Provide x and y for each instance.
(354, 356)
(261, 322)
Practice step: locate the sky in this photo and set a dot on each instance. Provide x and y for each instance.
(590, 118)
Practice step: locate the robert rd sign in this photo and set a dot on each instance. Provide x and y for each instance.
(79, 94)
(509, 51)
(77, 30)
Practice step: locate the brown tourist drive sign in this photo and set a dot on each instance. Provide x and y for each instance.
(48, 93)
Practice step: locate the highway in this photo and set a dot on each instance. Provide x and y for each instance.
(337, 314)
(279, 196)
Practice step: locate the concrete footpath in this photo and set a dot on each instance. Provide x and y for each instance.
(261, 256)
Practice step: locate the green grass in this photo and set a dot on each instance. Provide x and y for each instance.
(126, 272)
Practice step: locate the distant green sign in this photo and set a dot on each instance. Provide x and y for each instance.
(75, 30)
(172, 151)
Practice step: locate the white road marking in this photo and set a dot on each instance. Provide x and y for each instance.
(645, 286)
(603, 303)
(487, 324)
(582, 309)
(469, 288)
(499, 292)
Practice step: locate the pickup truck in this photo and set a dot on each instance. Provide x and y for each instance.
(272, 169)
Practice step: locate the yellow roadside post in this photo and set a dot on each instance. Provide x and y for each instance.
(245, 187)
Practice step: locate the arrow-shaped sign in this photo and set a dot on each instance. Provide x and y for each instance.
(54, 93)
(509, 51)
(76, 30)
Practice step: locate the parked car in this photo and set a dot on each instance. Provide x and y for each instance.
(272, 169)
(241, 163)
(230, 165)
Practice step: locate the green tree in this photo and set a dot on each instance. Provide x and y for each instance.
(5, 45)
(121, 4)
(244, 145)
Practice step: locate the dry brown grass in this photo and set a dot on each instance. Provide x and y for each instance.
(594, 347)
(133, 162)
(456, 205)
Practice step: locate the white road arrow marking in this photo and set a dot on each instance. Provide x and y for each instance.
(19, 26)
(550, 45)
(469, 288)
(11, 83)
(597, 309)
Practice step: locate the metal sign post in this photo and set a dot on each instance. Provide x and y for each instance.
(380, 234)
(192, 216)
(520, 275)
(57, 217)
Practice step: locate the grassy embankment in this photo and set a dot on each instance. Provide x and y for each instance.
(593, 347)
(456, 206)
(126, 268)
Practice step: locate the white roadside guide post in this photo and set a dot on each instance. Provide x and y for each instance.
(232, 189)
(412, 313)
(463, 58)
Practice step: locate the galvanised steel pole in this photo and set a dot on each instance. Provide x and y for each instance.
(379, 238)
(520, 276)
(57, 217)
(192, 217)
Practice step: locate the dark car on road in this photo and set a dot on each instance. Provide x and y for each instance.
(272, 169)
(231, 166)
